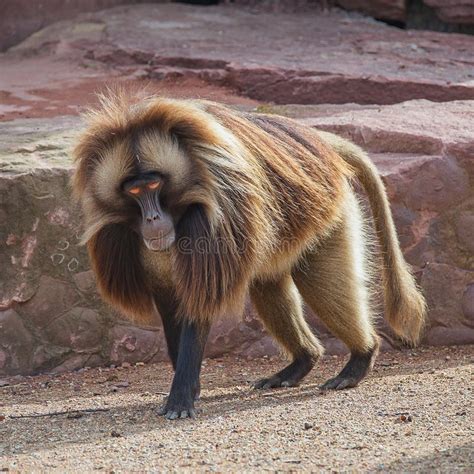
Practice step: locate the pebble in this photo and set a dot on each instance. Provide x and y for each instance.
(404, 419)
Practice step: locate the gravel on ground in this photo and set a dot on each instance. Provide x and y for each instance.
(413, 413)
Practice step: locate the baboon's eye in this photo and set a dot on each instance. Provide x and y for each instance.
(153, 185)
(135, 186)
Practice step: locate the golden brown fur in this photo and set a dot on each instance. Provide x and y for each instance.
(271, 202)
(405, 307)
(248, 183)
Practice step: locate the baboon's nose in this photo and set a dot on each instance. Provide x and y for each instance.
(152, 218)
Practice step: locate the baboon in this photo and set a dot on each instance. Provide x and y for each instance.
(189, 206)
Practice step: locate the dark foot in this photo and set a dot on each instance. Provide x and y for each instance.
(290, 376)
(172, 410)
(356, 369)
(180, 405)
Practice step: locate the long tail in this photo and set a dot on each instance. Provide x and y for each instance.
(405, 307)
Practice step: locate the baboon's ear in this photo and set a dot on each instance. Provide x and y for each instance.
(207, 265)
(115, 257)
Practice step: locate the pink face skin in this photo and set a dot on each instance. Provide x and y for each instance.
(156, 227)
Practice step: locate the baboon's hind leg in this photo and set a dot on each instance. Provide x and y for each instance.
(279, 305)
(332, 281)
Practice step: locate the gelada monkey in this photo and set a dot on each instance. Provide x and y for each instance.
(189, 206)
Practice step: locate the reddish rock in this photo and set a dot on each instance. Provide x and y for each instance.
(416, 127)
(132, 344)
(85, 281)
(281, 5)
(52, 298)
(265, 346)
(22, 17)
(453, 11)
(445, 287)
(47, 356)
(465, 230)
(80, 329)
(240, 334)
(335, 346)
(439, 336)
(333, 57)
(75, 362)
(468, 302)
(3, 359)
(16, 344)
(449, 11)
(429, 183)
(383, 9)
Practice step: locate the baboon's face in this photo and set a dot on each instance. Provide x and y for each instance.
(139, 182)
(152, 221)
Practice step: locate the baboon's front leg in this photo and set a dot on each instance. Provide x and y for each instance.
(172, 325)
(185, 386)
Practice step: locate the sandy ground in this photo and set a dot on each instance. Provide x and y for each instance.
(412, 414)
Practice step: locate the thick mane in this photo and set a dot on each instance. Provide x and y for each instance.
(115, 258)
(213, 255)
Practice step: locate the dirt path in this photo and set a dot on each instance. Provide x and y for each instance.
(412, 414)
